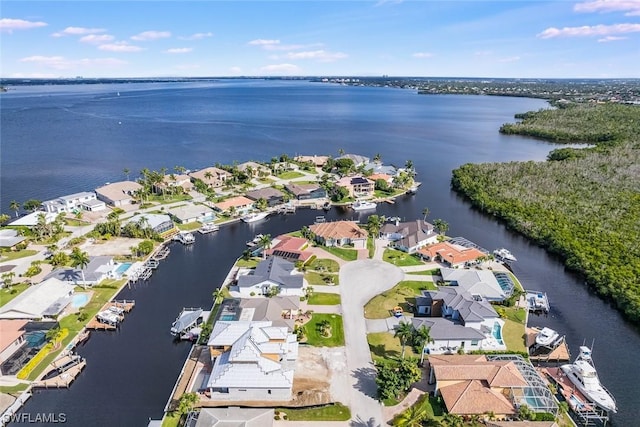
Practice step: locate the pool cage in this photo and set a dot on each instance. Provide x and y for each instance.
(536, 394)
(505, 282)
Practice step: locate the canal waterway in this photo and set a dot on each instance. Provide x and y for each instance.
(130, 373)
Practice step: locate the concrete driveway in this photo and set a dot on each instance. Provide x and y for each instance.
(359, 282)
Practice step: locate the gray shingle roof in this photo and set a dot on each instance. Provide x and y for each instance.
(443, 329)
(274, 269)
(412, 232)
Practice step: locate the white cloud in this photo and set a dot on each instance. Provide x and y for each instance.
(319, 55)
(235, 70)
(78, 31)
(281, 69)
(509, 59)
(120, 47)
(275, 45)
(483, 53)
(96, 38)
(187, 66)
(586, 31)
(631, 7)
(34, 75)
(611, 39)
(9, 25)
(61, 63)
(422, 55)
(197, 36)
(179, 50)
(263, 42)
(151, 35)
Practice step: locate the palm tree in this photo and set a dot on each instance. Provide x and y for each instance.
(421, 337)
(15, 206)
(452, 420)
(4, 218)
(377, 158)
(412, 417)
(440, 225)
(265, 242)
(341, 151)
(80, 259)
(180, 169)
(374, 222)
(404, 332)
(126, 172)
(325, 328)
(217, 295)
(7, 278)
(426, 213)
(208, 175)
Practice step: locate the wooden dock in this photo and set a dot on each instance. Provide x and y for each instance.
(162, 253)
(125, 305)
(541, 354)
(63, 380)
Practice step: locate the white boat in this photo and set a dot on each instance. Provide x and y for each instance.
(108, 317)
(504, 255)
(253, 217)
(360, 205)
(185, 238)
(209, 228)
(255, 241)
(582, 373)
(547, 337)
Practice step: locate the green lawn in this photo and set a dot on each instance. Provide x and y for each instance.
(168, 198)
(371, 246)
(384, 345)
(344, 253)
(324, 265)
(312, 332)
(7, 295)
(248, 263)
(402, 294)
(13, 389)
(11, 255)
(433, 407)
(513, 334)
(189, 226)
(171, 419)
(321, 278)
(323, 298)
(290, 175)
(425, 272)
(400, 258)
(331, 412)
(75, 222)
(266, 180)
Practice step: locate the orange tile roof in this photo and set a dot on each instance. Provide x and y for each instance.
(451, 253)
(339, 230)
(291, 245)
(10, 330)
(377, 176)
(235, 202)
(472, 397)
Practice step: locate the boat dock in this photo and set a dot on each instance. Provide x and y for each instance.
(586, 412)
(110, 315)
(68, 367)
(162, 253)
(537, 301)
(558, 353)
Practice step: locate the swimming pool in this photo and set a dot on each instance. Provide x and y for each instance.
(497, 333)
(79, 300)
(505, 282)
(122, 268)
(228, 317)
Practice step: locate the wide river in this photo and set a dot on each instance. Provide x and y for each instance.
(58, 140)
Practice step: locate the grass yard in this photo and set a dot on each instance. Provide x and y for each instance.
(324, 265)
(266, 180)
(248, 263)
(344, 253)
(323, 298)
(433, 407)
(312, 331)
(425, 272)
(331, 412)
(399, 258)
(513, 334)
(189, 226)
(384, 345)
(13, 389)
(290, 175)
(7, 295)
(403, 294)
(11, 255)
(321, 278)
(171, 419)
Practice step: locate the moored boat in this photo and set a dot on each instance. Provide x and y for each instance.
(253, 217)
(360, 205)
(547, 337)
(185, 238)
(188, 319)
(582, 373)
(504, 255)
(209, 228)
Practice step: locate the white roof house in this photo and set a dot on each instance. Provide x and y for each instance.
(69, 203)
(9, 238)
(47, 298)
(192, 213)
(158, 222)
(251, 361)
(235, 417)
(476, 282)
(31, 220)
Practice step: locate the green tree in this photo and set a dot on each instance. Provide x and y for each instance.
(420, 338)
(374, 223)
(396, 376)
(265, 241)
(14, 206)
(412, 417)
(32, 205)
(525, 413)
(145, 247)
(7, 279)
(425, 213)
(4, 218)
(80, 259)
(452, 420)
(404, 332)
(441, 225)
(217, 296)
(187, 402)
(60, 259)
(126, 172)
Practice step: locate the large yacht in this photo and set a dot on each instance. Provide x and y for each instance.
(504, 255)
(359, 205)
(547, 337)
(582, 373)
(253, 217)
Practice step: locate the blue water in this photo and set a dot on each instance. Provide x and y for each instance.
(79, 300)
(122, 268)
(228, 317)
(497, 333)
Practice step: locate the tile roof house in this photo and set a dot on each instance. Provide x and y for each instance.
(98, 269)
(474, 385)
(46, 299)
(212, 176)
(289, 247)
(450, 254)
(318, 161)
(118, 193)
(458, 320)
(234, 417)
(280, 310)
(254, 168)
(409, 236)
(273, 272)
(358, 186)
(272, 196)
(383, 176)
(474, 281)
(11, 339)
(251, 361)
(172, 181)
(240, 204)
(340, 233)
(357, 159)
(306, 191)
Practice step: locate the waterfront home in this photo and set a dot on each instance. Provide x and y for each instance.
(383, 176)
(317, 161)
(289, 247)
(474, 281)
(473, 385)
(32, 219)
(357, 159)
(11, 340)
(253, 169)
(271, 275)
(118, 194)
(159, 223)
(458, 321)
(450, 254)
(212, 177)
(86, 200)
(280, 310)
(358, 186)
(340, 233)
(9, 238)
(272, 196)
(172, 181)
(46, 299)
(191, 213)
(98, 269)
(377, 168)
(306, 191)
(238, 205)
(251, 361)
(409, 236)
(231, 417)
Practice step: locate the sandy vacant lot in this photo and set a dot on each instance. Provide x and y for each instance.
(319, 376)
(113, 247)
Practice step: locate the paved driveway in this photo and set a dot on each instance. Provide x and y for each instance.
(359, 282)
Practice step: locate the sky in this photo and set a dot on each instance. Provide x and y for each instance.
(512, 39)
